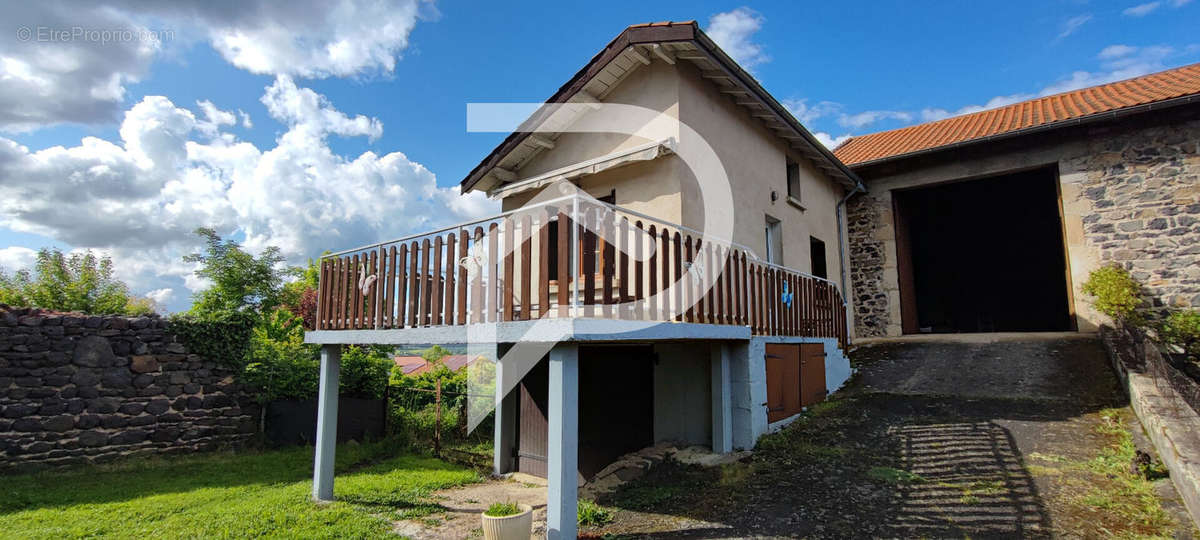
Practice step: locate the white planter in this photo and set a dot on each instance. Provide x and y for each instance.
(514, 527)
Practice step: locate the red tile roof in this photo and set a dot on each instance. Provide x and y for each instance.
(1043, 111)
(453, 362)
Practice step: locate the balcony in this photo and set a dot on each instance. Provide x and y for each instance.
(570, 258)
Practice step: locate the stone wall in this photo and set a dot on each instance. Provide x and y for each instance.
(1130, 195)
(77, 388)
(865, 217)
(1139, 202)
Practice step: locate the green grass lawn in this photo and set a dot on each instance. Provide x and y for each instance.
(248, 494)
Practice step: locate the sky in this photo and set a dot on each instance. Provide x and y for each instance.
(312, 125)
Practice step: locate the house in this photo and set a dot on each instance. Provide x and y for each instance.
(409, 364)
(668, 265)
(992, 221)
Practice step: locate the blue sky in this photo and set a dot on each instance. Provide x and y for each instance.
(843, 70)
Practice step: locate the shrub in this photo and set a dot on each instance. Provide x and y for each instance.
(1117, 294)
(225, 338)
(1182, 328)
(591, 514)
(502, 509)
(77, 282)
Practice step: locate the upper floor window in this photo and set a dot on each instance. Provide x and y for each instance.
(793, 184)
(817, 254)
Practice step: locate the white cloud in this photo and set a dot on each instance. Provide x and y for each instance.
(246, 123)
(16, 258)
(830, 109)
(1141, 10)
(829, 141)
(138, 199)
(806, 113)
(1118, 62)
(733, 32)
(46, 81)
(867, 118)
(1074, 23)
(161, 296)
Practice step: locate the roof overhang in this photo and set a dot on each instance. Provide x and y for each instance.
(1043, 128)
(640, 45)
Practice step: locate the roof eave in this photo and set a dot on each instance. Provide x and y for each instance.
(635, 35)
(1073, 122)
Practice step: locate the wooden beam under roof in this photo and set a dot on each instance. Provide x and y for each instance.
(504, 175)
(541, 141)
(716, 75)
(632, 51)
(663, 53)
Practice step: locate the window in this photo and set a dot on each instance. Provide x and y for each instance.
(774, 238)
(817, 251)
(793, 182)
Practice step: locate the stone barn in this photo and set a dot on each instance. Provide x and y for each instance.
(991, 221)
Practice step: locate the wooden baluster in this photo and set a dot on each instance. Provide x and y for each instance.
(414, 284)
(712, 283)
(695, 298)
(564, 263)
(463, 286)
(434, 281)
(508, 287)
(448, 303)
(589, 261)
(424, 313)
(544, 264)
(526, 266)
(492, 311)
(401, 287)
(622, 261)
(477, 281)
(652, 269)
(639, 288)
(755, 298)
(607, 261)
(368, 316)
(389, 291)
(335, 295)
(667, 306)
(677, 304)
(322, 286)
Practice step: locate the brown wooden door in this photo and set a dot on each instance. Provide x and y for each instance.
(533, 429)
(812, 373)
(783, 381)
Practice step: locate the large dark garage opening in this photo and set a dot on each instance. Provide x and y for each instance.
(983, 256)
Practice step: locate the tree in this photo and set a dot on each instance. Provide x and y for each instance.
(76, 282)
(241, 282)
(300, 296)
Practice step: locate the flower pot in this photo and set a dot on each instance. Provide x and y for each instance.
(514, 527)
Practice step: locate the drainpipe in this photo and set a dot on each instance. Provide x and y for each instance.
(842, 262)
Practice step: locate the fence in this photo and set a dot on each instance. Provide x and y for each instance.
(571, 257)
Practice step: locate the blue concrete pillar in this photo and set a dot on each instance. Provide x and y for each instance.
(722, 398)
(562, 460)
(327, 412)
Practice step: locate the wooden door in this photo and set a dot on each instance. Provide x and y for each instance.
(783, 381)
(532, 426)
(812, 373)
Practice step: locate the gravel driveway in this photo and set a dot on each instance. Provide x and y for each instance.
(981, 436)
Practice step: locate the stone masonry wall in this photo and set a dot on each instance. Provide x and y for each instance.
(1140, 207)
(1130, 195)
(77, 388)
(867, 260)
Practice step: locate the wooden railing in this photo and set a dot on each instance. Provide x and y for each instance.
(531, 263)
